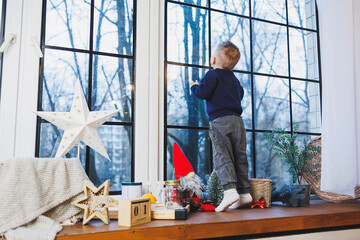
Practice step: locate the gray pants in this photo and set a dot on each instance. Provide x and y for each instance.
(228, 138)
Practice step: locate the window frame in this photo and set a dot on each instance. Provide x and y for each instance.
(21, 74)
(91, 53)
(2, 37)
(21, 77)
(251, 73)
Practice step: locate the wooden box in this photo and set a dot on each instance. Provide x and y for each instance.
(134, 211)
(161, 212)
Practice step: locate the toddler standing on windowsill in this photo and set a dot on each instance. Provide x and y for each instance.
(223, 94)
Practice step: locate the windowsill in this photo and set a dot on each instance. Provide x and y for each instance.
(320, 215)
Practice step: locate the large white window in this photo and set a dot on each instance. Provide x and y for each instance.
(279, 70)
(91, 42)
(94, 42)
(139, 56)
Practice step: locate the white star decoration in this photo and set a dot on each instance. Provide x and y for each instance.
(79, 124)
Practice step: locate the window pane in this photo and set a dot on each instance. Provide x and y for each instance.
(272, 108)
(196, 146)
(301, 137)
(1, 9)
(302, 13)
(50, 137)
(112, 86)
(306, 106)
(270, 48)
(113, 23)
(268, 166)
(240, 7)
(187, 34)
(303, 54)
(245, 81)
(68, 23)
(280, 54)
(117, 142)
(249, 148)
(237, 30)
(203, 3)
(183, 108)
(272, 10)
(62, 70)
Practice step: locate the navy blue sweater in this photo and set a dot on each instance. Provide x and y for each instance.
(222, 92)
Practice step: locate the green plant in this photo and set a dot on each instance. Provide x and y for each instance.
(297, 160)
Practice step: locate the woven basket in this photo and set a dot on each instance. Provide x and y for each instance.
(261, 188)
(315, 179)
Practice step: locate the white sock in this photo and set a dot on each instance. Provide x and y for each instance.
(230, 196)
(243, 200)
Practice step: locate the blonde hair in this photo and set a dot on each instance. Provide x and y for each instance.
(229, 53)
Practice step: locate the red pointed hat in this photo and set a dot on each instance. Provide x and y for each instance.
(181, 164)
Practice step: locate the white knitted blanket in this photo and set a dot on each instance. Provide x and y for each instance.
(36, 195)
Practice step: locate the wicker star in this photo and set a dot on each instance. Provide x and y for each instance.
(96, 202)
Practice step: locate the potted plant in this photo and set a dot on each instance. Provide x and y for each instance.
(298, 161)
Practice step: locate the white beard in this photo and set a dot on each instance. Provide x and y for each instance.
(192, 184)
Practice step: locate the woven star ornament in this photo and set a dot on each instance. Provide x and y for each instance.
(96, 202)
(79, 124)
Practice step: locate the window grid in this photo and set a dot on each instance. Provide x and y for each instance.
(91, 54)
(253, 131)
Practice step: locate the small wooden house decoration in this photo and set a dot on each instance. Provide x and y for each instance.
(134, 212)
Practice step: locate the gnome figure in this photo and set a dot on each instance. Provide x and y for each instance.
(190, 183)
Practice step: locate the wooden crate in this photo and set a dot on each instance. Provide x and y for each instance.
(133, 212)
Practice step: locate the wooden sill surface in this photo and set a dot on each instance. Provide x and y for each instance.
(319, 214)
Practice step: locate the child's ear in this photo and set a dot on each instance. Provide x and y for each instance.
(213, 60)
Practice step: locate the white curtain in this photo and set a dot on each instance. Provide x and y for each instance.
(340, 64)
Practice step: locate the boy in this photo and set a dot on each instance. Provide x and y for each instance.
(223, 94)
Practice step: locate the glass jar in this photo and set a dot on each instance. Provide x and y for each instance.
(172, 194)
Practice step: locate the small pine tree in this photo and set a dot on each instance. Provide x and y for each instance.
(214, 188)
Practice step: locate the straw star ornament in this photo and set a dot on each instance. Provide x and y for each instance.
(79, 124)
(96, 202)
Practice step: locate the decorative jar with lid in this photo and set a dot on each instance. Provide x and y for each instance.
(172, 194)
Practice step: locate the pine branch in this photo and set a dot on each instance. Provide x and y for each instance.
(298, 161)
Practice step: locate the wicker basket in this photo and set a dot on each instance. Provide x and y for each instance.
(314, 179)
(261, 188)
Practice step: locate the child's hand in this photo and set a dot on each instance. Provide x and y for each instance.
(194, 83)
